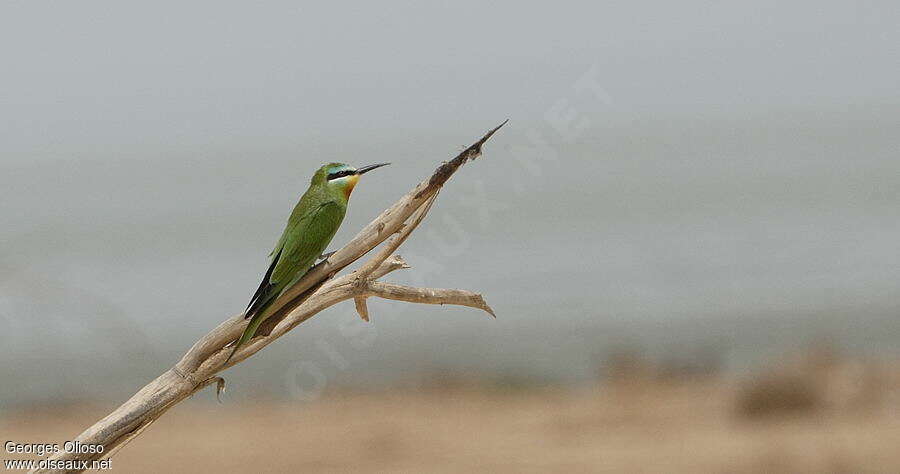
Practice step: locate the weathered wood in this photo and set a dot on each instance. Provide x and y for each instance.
(317, 290)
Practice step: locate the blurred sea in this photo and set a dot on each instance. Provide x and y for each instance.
(738, 235)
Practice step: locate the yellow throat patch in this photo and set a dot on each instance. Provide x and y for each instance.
(351, 182)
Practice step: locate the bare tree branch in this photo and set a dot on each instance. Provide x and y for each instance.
(317, 290)
(427, 295)
(362, 308)
(394, 242)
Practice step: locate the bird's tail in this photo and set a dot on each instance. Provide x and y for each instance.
(249, 331)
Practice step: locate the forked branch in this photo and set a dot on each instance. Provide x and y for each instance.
(318, 289)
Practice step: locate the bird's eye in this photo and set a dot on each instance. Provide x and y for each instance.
(339, 174)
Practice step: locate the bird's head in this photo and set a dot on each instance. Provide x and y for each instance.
(342, 177)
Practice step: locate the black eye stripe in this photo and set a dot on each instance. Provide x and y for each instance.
(339, 174)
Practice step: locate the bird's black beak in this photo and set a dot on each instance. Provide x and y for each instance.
(366, 169)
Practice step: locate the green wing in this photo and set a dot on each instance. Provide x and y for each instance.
(305, 238)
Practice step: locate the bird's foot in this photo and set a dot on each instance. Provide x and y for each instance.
(326, 255)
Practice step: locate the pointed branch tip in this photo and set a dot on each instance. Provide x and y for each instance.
(488, 135)
(220, 386)
(362, 308)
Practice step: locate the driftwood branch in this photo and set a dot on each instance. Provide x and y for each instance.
(318, 289)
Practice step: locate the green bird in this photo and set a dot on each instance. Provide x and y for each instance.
(309, 230)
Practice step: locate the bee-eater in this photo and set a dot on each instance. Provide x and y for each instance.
(309, 230)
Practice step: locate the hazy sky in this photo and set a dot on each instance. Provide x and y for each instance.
(665, 162)
(79, 78)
